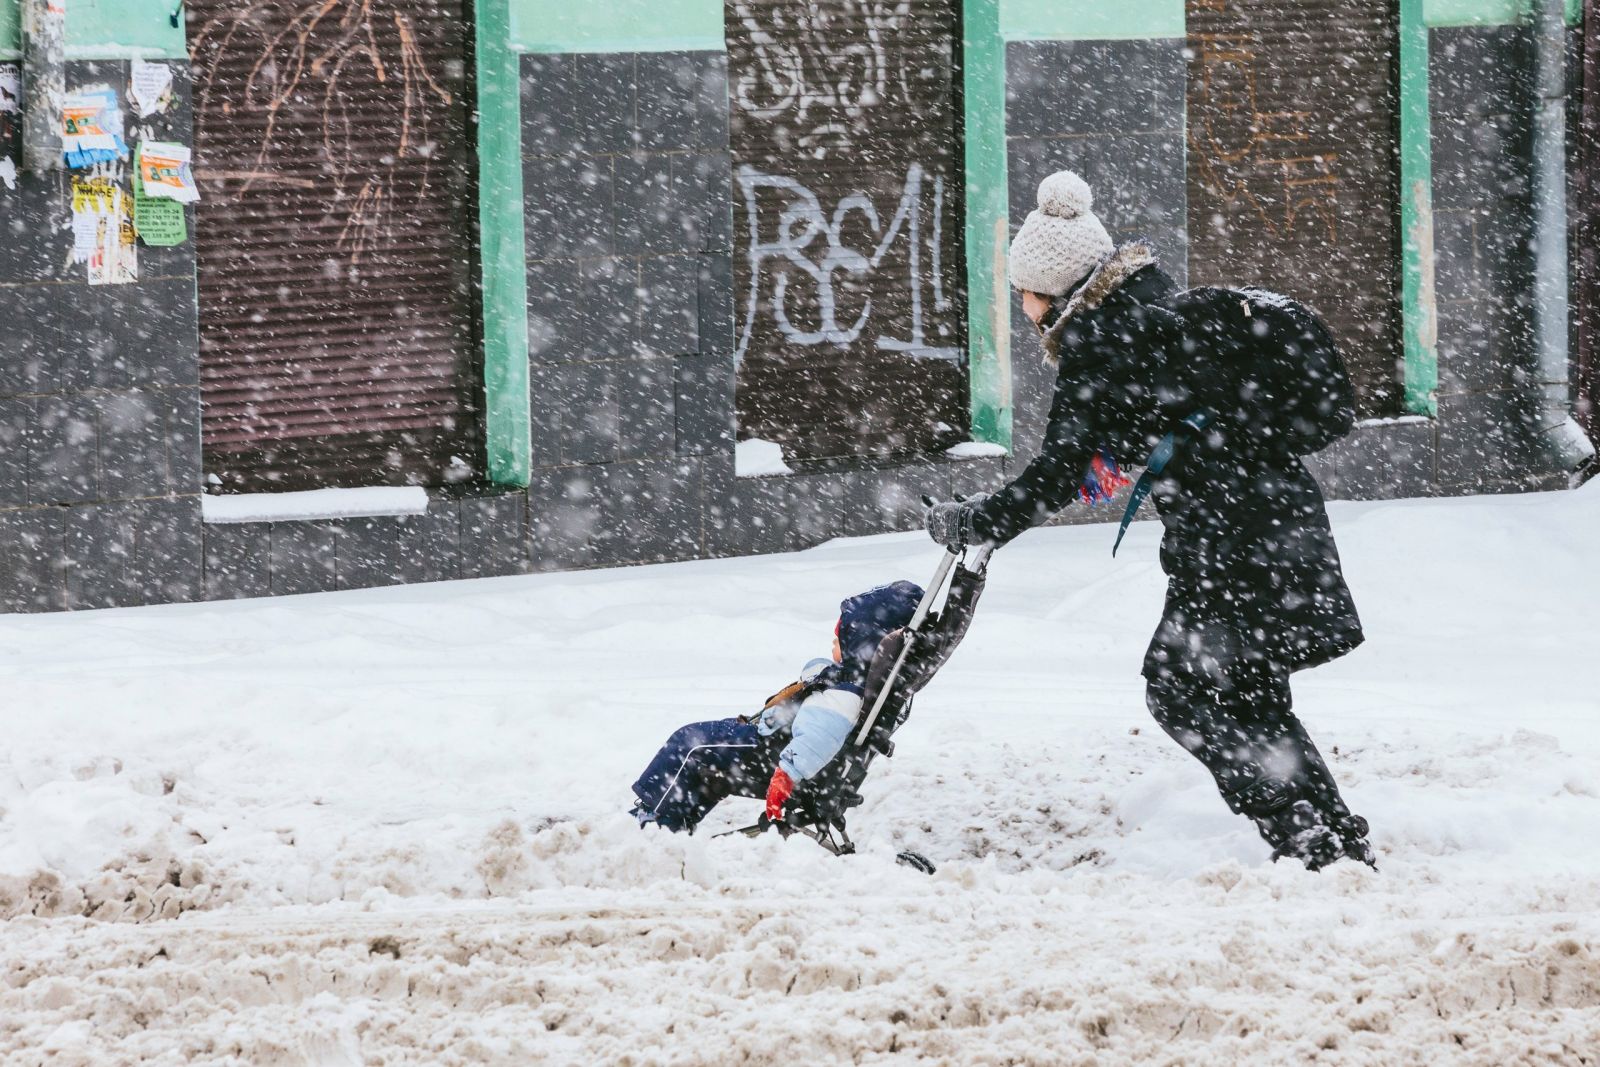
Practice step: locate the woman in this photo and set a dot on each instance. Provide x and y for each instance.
(1255, 589)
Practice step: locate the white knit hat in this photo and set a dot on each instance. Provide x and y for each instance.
(1062, 241)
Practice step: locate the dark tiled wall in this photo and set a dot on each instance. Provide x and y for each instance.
(99, 401)
(1112, 111)
(1481, 99)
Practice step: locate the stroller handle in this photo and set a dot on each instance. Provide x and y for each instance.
(980, 559)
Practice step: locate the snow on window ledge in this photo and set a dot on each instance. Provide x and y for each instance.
(976, 450)
(314, 504)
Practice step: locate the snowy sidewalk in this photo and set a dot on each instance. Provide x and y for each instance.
(385, 827)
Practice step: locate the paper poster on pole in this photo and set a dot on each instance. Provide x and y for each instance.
(150, 87)
(164, 171)
(10, 89)
(91, 127)
(102, 231)
(159, 222)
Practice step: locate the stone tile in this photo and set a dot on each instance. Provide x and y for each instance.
(704, 409)
(238, 560)
(1077, 87)
(1479, 70)
(1484, 439)
(564, 509)
(183, 440)
(378, 551)
(1137, 179)
(158, 333)
(969, 477)
(16, 417)
(669, 311)
(683, 101)
(703, 188)
(494, 535)
(1482, 347)
(99, 543)
(714, 288)
(652, 512)
(31, 560)
(1478, 161)
(170, 555)
(567, 206)
(133, 446)
(304, 558)
(30, 323)
(35, 230)
(649, 218)
(63, 461)
(890, 499)
(546, 86)
(1387, 462)
(590, 429)
(1456, 275)
(582, 309)
(646, 402)
(603, 102)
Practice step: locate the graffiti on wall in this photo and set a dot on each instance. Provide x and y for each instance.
(1263, 158)
(802, 239)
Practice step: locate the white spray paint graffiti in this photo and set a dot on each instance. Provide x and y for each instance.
(799, 225)
(855, 73)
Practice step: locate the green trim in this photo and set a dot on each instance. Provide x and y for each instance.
(507, 416)
(617, 26)
(1419, 305)
(983, 90)
(1488, 12)
(1089, 20)
(105, 29)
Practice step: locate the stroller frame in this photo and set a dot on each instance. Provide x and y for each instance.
(906, 661)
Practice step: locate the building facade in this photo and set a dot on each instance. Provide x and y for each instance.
(554, 262)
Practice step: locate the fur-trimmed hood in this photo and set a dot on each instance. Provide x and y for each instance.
(1112, 274)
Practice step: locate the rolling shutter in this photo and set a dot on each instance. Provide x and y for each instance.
(1293, 166)
(849, 276)
(336, 345)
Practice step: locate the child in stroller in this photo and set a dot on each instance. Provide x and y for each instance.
(808, 749)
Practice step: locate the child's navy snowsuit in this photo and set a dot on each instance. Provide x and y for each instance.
(706, 762)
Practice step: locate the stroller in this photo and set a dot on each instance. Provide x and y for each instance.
(905, 662)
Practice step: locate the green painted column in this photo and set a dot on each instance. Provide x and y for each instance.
(1420, 318)
(505, 284)
(983, 80)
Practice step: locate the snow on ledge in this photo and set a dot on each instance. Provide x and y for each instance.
(755, 458)
(975, 450)
(315, 504)
(1395, 420)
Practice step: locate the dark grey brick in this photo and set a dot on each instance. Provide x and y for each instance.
(1456, 274)
(1484, 439)
(16, 416)
(158, 332)
(890, 498)
(1478, 161)
(30, 323)
(62, 451)
(238, 560)
(304, 558)
(603, 102)
(183, 440)
(652, 512)
(649, 218)
(31, 560)
(1479, 70)
(646, 402)
(546, 84)
(99, 546)
(564, 506)
(567, 206)
(683, 100)
(1387, 461)
(703, 187)
(669, 306)
(91, 331)
(378, 551)
(1138, 179)
(35, 230)
(1078, 87)
(170, 552)
(133, 446)
(977, 475)
(589, 423)
(704, 411)
(494, 536)
(581, 309)
(1482, 346)
(714, 288)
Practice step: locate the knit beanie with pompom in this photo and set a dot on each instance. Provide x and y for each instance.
(1062, 241)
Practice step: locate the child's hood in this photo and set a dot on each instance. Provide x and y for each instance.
(867, 618)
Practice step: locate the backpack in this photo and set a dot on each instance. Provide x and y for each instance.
(1282, 382)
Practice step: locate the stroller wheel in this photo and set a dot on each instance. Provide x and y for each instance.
(916, 861)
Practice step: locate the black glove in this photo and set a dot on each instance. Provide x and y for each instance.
(950, 523)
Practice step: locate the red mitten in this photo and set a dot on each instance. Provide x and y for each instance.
(778, 791)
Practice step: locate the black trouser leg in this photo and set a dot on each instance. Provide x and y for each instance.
(1241, 726)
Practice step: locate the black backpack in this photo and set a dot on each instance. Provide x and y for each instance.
(1281, 380)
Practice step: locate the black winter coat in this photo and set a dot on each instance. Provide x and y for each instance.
(1253, 572)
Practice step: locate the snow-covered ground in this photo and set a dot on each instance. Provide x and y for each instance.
(387, 827)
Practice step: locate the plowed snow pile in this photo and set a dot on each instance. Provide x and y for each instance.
(386, 827)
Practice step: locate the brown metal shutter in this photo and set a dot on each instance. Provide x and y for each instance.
(848, 268)
(1293, 166)
(333, 238)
